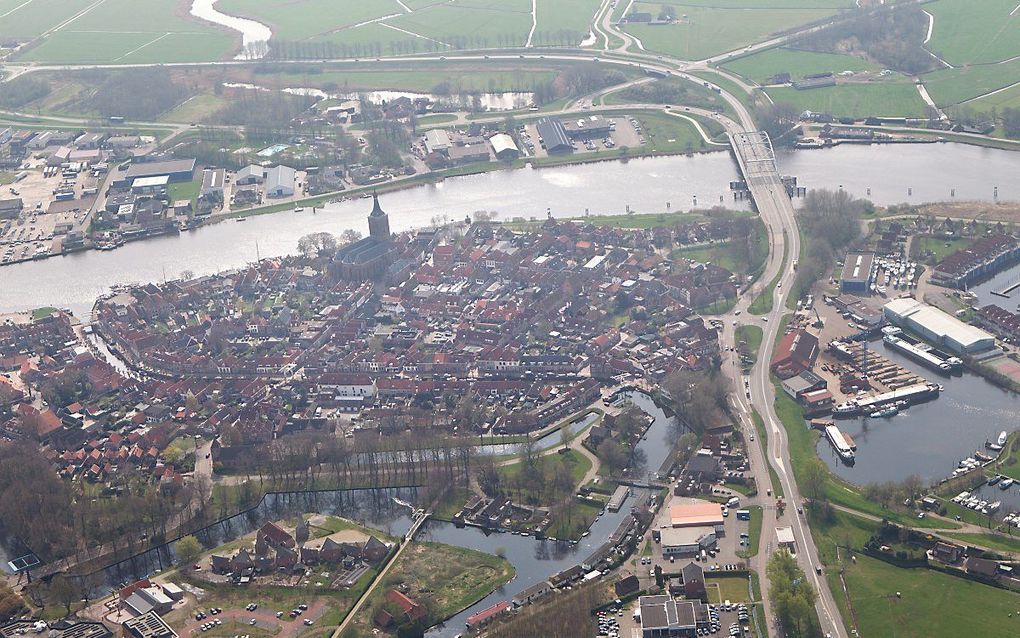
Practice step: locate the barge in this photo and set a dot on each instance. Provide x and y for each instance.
(921, 352)
(869, 405)
(839, 444)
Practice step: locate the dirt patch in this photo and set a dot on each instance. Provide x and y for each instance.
(999, 211)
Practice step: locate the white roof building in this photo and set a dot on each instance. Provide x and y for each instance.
(942, 329)
(437, 140)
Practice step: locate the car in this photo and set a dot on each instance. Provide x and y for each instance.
(196, 567)
(252, 622)
(302, 607)
(309, 622)
(279, 614)
(765, 319)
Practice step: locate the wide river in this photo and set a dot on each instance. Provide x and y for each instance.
(928, 171)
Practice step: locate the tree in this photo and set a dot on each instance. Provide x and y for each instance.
(613, 455)
(65, 591)
(777, 119)
(315, 245)
(815, 476)
(188, 549)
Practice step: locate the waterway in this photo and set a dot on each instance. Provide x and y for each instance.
(254, 35)
(928, 439)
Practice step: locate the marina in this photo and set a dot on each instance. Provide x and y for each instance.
(869, 404)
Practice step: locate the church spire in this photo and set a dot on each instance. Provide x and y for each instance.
(378, 221)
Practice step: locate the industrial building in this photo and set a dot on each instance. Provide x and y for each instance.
(858, 271)
(280, 181)
(662, 617)
(795, 353)
(437, 141)
(588, 127)
(941, 329)
(554, 136)
(176, 170)
(504, 147)
(687, 541)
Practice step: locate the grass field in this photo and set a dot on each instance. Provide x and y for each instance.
(751, 336)
(184, 190)
(473, 23)
(898, 97)
(991, 541)
(731, 588)
(753, 531)
(711, 30)
(1009, 98)
(456, 77)
(445, 579)
(23, 21)
(762, 66)
(305, 19)
(727, 255)
(133, 31)
(968, 32)
(196, 109)
(669, 134)
(922, 245)
(566, 16)
(953, 86)
(930, 605)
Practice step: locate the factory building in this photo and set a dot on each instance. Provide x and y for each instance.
(937, 327)
(858, 270)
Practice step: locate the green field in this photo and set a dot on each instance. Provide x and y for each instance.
(998, 542)
(969, 32)
(751, 336)
(921, 245)
(711, 30)
(305, 19)
(953, 86)
(759, 67)
(930, 604)
(133, 31)
(753, 532)
(567, 16)
(196, 109)
(23, 21)
(471, 23)
(886, 98)
(1009, 98)
(455, 78)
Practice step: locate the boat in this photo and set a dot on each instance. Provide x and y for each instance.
(992, 507)
(892, 410)
(995, 479)
(839, 444)
(242, 219)
(299, 209)
(1001, 441)
(1006, 483)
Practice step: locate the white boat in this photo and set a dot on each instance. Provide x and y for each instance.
(1006, 483)
(839, 443)
(992, 507)
(1001, 441)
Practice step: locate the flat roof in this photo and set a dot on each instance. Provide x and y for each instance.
(149, 625)
(166, 167)
(155, 180)
(784, 535)
(676, 536)
(936, 321)
(694, 513)
(857, 267)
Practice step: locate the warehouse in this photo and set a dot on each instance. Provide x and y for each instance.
(858, 270)
(935, 326)
(280, 181)
(687, 541)
(504, 147)
(554, 136)
(176, 170)
(587, 128)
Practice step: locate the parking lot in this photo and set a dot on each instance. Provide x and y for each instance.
(626, 132)
(214, 622)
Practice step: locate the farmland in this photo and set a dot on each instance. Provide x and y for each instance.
(888, 98)
(132, 31)
(708, 31)
(968, 32)
(21, 22)
(305, 19)
(762, 66)
(953, 86)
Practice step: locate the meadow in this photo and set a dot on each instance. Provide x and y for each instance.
(888, 98)
(759, 67)
(969, 32)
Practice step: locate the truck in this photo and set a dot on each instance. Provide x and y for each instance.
(733, 502)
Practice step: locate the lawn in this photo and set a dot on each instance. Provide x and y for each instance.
(195, 109)
(998, 542)
(184, 190)
(1010, 98)
(751, 337)
(763, 303)
(6, 178)
(547, 493)
(731, 588)
(712, 30)
(759, 67)
(42, 313)
(669, 134)
(133, 31)
(759, 426)
(753, 531)
(888, 98)
(953, 86)
(445, 579)
(921, 603)
(723, 254)
(933, 249)
(569, 18)
(968, 32)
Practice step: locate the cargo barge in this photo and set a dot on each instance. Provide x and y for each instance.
(867, 405)
(839, 444)
(921, 352)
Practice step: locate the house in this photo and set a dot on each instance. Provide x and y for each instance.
(275, 535)
(250, 174)
(504, 147)
(531, 594)
(662, 617)
(280, 181)
(627, 586)
(213, 180)
(399, 609)
(983, 567)
(694, 581)
(946, 552)
(795, 353)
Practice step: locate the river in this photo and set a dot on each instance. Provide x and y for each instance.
(644, 185)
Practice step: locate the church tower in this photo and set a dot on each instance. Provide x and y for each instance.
(378, 222)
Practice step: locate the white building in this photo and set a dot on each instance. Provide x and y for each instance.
(933, 325)
(280, 181)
